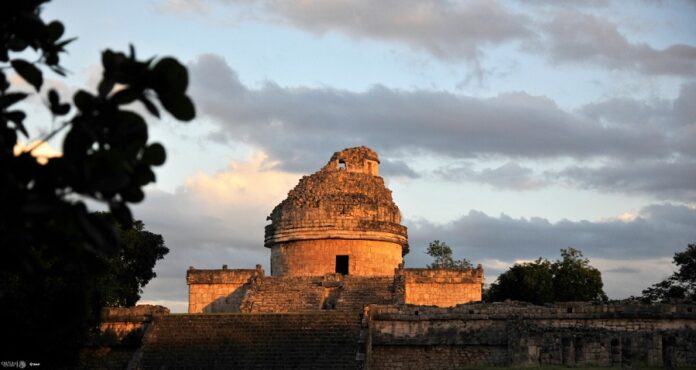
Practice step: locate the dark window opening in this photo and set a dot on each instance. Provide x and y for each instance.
(342, 265)
(341, 165)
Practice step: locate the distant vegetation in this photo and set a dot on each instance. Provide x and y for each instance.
(681, 285)
(570, 278)
(442, 255)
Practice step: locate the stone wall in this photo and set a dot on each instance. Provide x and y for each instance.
(318, 257)
(317, 340)
(119, 337)
(218, 290)
(417, 337)
(440, 287)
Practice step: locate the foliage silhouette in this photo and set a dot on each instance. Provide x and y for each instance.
(53, 252)
(681, 285)
(442, 254)
(569, 279)
(131, 269)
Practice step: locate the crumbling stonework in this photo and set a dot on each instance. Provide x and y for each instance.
(120, 336)
(516, 334)
(344, 209)
(441, 287)
(218, 290)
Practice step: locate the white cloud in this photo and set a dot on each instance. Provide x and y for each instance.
(213, 219)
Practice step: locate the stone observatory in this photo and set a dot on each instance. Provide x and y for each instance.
(341, 219)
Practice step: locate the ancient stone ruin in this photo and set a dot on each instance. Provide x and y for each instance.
(338, 297)
(337, 243)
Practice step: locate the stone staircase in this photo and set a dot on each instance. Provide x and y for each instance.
(328, 292)
(317, 340)
(284, 294)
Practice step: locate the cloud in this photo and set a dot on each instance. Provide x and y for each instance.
(450, 31)
(574, 37)
(658, 230)
(213, 220)
(295, 123)
(509, 176)
(665, 179)
(581, 32)
(631, 252)
(444, 29)
(632, 139)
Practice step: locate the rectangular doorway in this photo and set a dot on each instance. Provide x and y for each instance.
(342, 265)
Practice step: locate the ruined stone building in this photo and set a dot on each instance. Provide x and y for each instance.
(338, 296)
(336, 242)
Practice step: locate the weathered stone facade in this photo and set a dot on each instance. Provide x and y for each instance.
(340, 220)
(218, 290)
(250, 291)
(440, 287)
(516, 334)
(342, 211)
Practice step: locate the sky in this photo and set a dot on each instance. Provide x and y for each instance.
(508, 129)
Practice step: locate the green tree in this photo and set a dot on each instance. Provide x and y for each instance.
(681, 285)
(575, 280)
(131, 268)
(569, 279)
(530, 282)
(442, 254)
(52, 250)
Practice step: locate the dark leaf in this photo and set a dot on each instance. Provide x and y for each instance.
(9, 99)
(61, 109)
(105, 86)
(169, 76)
(53, 97)
(133, 194)
(65, 42)
(29, 72)
(155, 155)
(84, 101)
(4, 85)
(125, 96)
(143, 175)
(55, 30)
(122, 213)
(179, 105)
(150, 106)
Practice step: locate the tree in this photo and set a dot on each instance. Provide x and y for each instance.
(530, 282)
(52, 250)
(569, 279)
(132, 268)
(442, 253)
(681, 285)
(575, 280)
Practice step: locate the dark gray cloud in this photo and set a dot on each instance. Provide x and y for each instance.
(658, 230)
(292, 125)
(666, 180)
(509, 176)
(573, 37)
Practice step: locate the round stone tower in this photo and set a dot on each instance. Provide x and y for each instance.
(341, 219)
